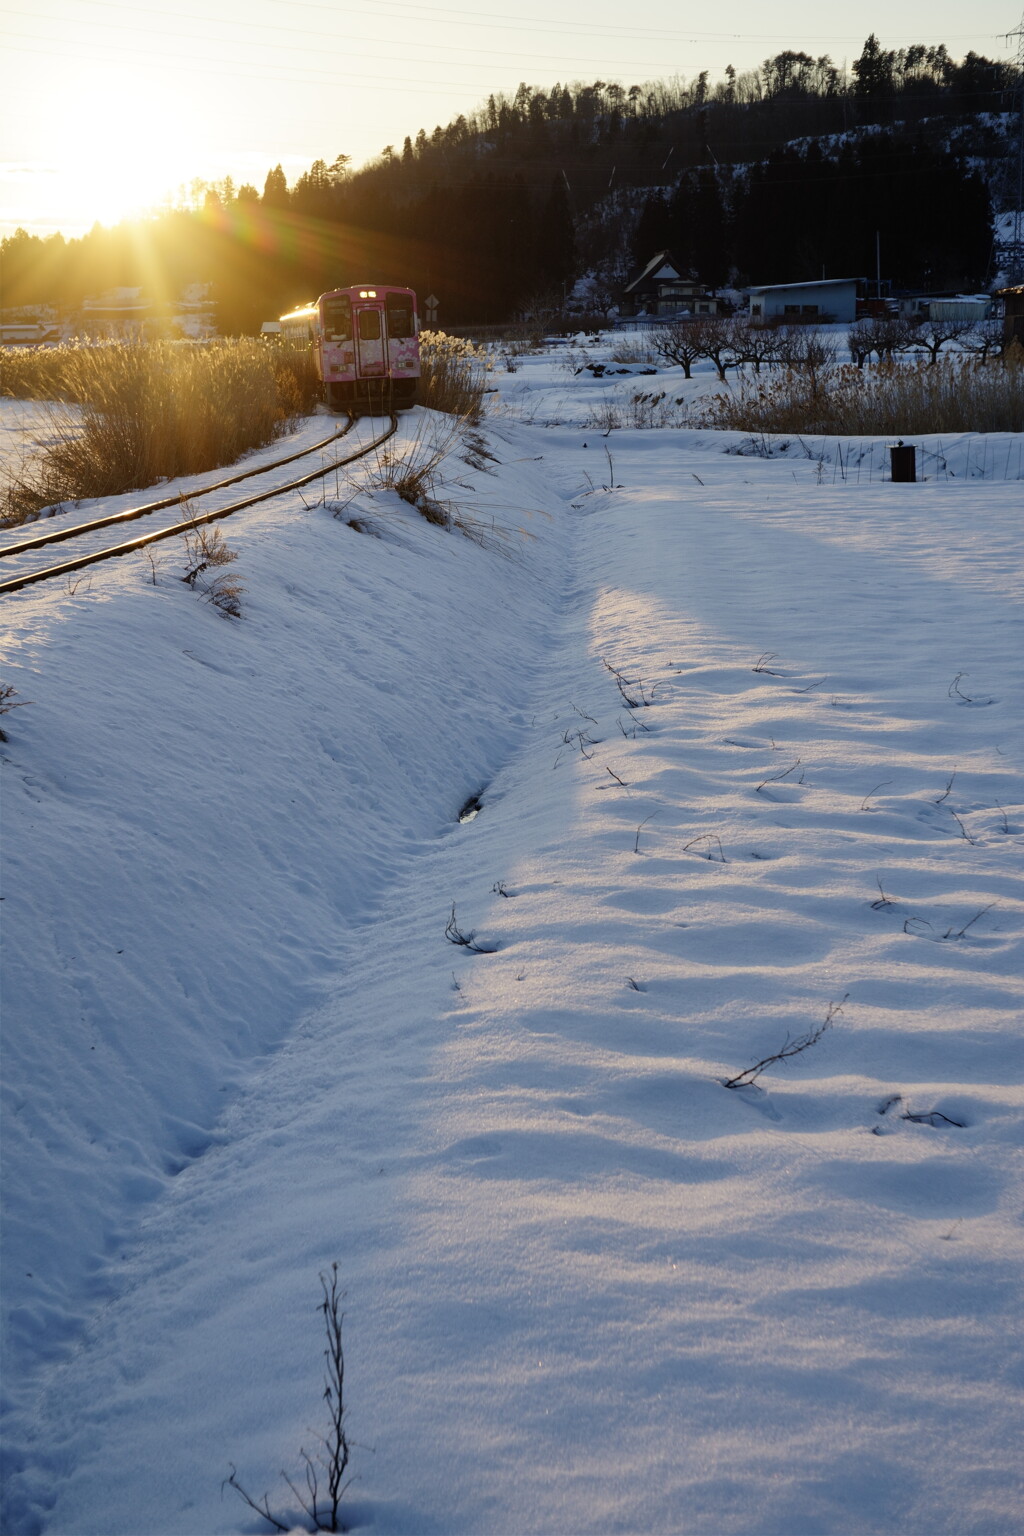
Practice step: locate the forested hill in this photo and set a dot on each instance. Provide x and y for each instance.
(779, 173)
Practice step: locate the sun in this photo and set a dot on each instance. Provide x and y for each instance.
(128, 144)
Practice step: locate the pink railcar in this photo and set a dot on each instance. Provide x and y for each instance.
(365, 344)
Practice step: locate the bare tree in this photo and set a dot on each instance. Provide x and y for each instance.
(858, 339)
(719, 340)
(985, 339)
(806, 350)
(885, 335)
(755, 341)
(931, 335)
(676, 343)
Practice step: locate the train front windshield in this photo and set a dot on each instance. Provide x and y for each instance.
(400, 316)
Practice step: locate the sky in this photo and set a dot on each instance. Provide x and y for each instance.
(109, 108)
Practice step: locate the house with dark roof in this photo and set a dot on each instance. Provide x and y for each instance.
(667, 290)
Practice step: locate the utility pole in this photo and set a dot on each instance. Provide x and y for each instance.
(1017, 253)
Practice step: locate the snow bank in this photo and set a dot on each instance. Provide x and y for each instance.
(194, 811)
(746, 744)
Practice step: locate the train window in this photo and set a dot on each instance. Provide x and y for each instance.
(338, 318)
(399, 316)
(369, 325)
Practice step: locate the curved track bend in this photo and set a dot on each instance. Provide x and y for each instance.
(66, 567)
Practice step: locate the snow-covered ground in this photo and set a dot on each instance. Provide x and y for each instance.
(746, 737)
(26, 426)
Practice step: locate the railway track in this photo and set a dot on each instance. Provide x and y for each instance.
(24, 547)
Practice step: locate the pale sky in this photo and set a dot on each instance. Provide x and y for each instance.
(108, 107)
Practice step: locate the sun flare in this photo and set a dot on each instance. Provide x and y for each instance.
(129, 144)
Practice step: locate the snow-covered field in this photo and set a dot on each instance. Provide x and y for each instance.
(746, 738)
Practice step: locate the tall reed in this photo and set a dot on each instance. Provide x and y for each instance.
(452, 375)
(150, 412)
(955, 394)
(38, 373)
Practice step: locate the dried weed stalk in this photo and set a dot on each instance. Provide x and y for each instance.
(789, 1049)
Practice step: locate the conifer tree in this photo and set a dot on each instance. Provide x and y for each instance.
(275, 189)
(653, 231)
(710, 255)
(556, 239)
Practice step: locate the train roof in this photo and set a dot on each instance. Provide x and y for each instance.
(361, 289)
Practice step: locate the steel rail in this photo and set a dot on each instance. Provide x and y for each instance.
(71, 531)
(67, 566)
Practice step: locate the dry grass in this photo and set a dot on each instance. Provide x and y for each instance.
(452, 375)
(39, 373)
(635, 348)
(206, 549)
(8, 701)
(641, 410)
(147, 413)
(955, 394)
(299, 390)
(413, 469)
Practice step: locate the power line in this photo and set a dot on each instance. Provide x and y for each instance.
(516, 21)
(531, 23)
(236, 65)
(219, 70)
(344, 39)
